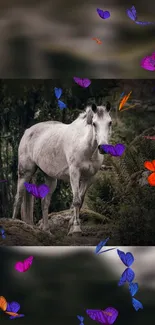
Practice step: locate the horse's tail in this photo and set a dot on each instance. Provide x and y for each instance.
(27, 206)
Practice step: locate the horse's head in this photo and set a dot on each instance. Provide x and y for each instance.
(99, 118)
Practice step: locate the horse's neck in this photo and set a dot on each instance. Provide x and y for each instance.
(86, 132)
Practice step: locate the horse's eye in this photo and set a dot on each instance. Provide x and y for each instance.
(110, 123)
(94, 124)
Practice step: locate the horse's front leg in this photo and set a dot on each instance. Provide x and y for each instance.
(74, 224)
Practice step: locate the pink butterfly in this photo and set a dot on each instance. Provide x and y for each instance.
(82, 82)
(25, 265)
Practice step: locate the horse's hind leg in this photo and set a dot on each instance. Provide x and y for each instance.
(23, 176)
(27, 207)
(45, 202)
(19, 194)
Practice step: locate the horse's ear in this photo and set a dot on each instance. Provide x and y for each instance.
(94, 107)
(108, 106)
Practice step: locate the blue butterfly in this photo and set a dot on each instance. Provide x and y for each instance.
(81, 319)
(128, 275)
(127, 258)
(122, 94)
(133, 288)
(100, 245)
(58, 92)
(61, 104)
(137, 304)
(2, 231)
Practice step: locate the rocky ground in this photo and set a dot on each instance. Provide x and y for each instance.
(94, 226)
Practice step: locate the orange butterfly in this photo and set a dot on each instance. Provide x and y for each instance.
(150, 165)
(3, 303)
(124, 100)
(98, 41)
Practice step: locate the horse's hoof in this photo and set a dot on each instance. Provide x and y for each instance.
(75, 230)
(45, 228)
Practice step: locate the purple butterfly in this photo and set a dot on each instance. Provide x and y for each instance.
(115, 151)
(137, 304)
(132, 14)
(37, 191)
(106, 317)
(2, 181)
(103, 14)
(133, 288)
(58, 92)
(128, 275)
(2, 231)
(82, 82)
(127, 258)
(100, 245)
(81, 319)
(12, 308)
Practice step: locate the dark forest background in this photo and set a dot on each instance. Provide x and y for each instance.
(121, 195)
(60, 286)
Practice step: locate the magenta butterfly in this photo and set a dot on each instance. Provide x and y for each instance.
(25, 265)
(106, 317)
(37, 191)
(82, 82)
(148, 62)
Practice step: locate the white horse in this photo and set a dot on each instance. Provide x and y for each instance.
(70, 152)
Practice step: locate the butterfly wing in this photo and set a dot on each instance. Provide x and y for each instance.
(86, 83)
(127, 258)
(100, 245)
(19, 266)
(43, 190)
(14, 315)
(13, 307)
(106, 250)
(132, 14)
(58, 92)
(80, 318)
(82, 82)
(144, 23)
(27, 263)
(119, 148)
(146, 64)
(103, 14)
(113, 314)
(128, 275)
(133, 288)
(3, 303)
(61, 104)
(151, 179)
(109, 149)
(97, 315)
(137, 304)
(150, 165)
(28, 187)
(32, 189)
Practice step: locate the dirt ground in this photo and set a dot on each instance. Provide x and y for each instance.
(95, 227)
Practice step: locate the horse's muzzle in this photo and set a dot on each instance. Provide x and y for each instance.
(101, 151)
